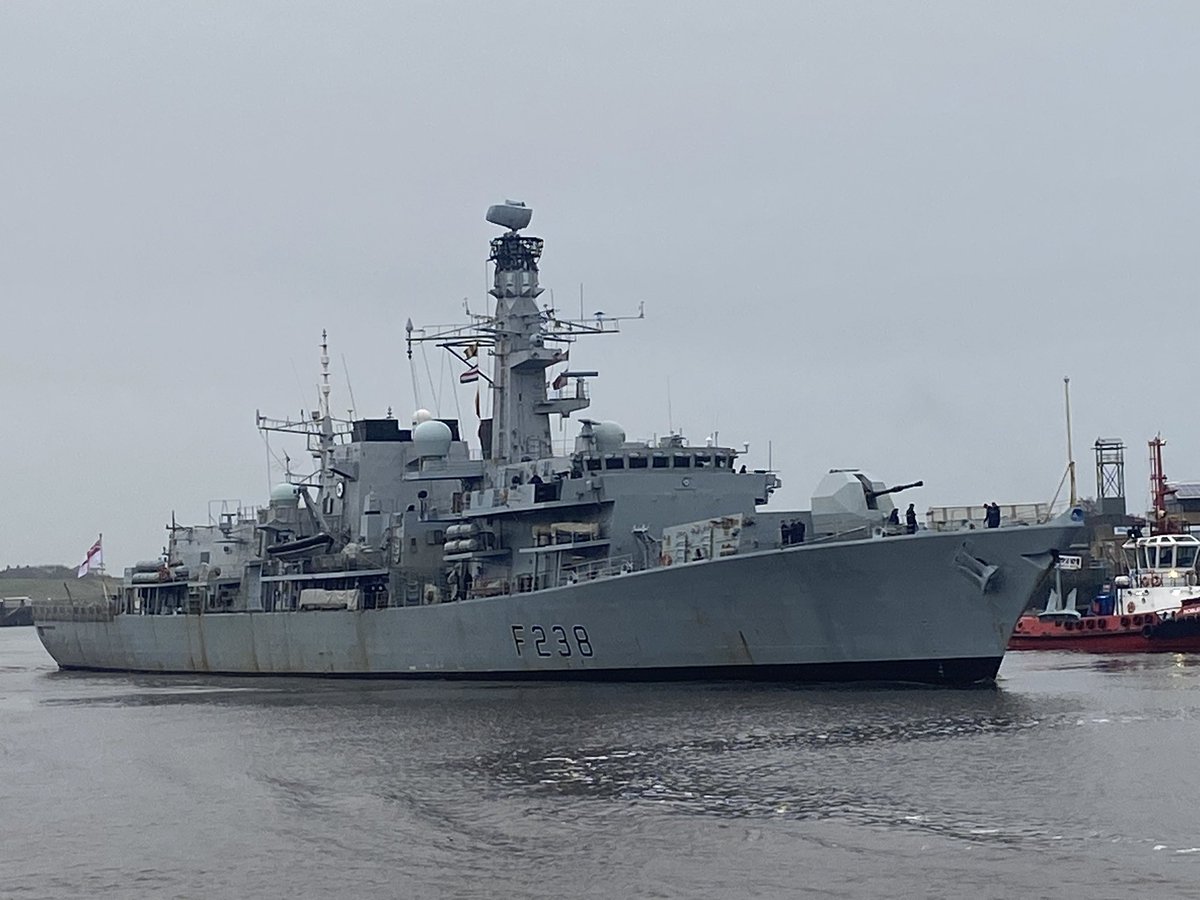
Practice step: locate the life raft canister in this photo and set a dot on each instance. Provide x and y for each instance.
(1145, 581)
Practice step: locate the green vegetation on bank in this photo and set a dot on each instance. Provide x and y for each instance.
(57, 582)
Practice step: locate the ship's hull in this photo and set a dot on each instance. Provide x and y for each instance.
(929, 608)
(1109, 634)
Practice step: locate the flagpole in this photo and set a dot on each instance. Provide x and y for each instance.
(1070, 454)
(103, 576)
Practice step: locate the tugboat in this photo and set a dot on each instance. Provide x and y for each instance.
(1153, 609)
(409, 553)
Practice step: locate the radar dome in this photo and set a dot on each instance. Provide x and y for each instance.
(609, 436)
(285, 495)
(432, 438)
(421, 415)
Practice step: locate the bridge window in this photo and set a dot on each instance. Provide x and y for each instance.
(683, 461)
(593, 465)
(637, 462)
(614, 462)
(1185, 556)
(661, 461)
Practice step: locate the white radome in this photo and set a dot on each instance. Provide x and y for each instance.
(432, 438)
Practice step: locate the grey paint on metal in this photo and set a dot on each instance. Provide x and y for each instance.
(530, 563)
(903, 598)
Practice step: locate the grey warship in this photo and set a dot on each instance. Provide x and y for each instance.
(405, 555)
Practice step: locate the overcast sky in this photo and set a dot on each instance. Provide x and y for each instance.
(874, 235)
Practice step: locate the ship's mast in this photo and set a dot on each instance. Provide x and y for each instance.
(520, 356)
(325, 441)
(524, 340)
(318, 425)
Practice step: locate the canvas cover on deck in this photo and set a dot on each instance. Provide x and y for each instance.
(317, 598)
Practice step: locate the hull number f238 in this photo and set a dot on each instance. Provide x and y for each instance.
(552, 640)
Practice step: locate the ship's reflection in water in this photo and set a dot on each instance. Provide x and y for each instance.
(381, 789)
(862, 756)
(1138, 662)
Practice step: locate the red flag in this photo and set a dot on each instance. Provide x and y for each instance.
(468, 376)
(560, 382)
(94, 557)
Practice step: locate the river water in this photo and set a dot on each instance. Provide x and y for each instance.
(1074, 777)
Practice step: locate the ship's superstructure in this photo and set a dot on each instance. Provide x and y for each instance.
(406, 555)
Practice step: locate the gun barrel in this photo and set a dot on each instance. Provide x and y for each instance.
(896, 489)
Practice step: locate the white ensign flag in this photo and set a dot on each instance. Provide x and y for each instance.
(94, 559)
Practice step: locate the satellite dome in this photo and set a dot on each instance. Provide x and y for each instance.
(285, 495)
(432, 438)
(421, 415)
(609, 436)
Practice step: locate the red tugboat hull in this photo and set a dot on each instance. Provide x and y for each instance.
(1149, 633)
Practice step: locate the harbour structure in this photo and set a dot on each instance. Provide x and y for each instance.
(15, 611)
(405, 555)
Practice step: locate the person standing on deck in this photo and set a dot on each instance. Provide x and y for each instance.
(910, 519)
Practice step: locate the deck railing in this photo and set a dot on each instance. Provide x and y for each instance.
(73, 611)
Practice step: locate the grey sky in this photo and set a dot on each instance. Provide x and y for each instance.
(873, 234)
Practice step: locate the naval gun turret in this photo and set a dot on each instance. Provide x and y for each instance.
(873, 495)
(848, 500)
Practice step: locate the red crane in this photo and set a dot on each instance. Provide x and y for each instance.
(1159, 491)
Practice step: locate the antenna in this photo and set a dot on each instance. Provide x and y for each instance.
(349, 387)
(670, 422)
(300, 389)
(324, 395)
(1070, 455)
(412, 365)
